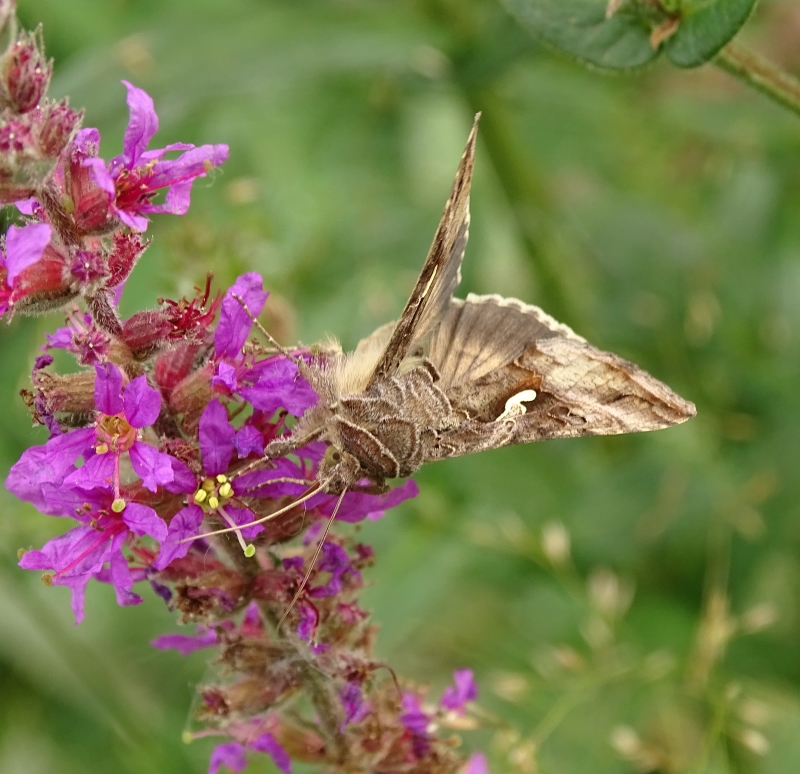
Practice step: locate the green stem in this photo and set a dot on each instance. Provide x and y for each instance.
(761, 74)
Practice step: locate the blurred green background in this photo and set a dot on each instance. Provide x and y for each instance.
(656, 213)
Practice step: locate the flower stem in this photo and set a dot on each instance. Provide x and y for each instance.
(315, 682)
(763, 75)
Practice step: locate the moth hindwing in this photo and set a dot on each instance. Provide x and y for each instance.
(453, 377)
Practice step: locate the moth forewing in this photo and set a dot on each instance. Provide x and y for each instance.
(441, 272)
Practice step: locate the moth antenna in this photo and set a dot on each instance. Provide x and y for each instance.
(313, 560)
(265, 332)
(306, 496)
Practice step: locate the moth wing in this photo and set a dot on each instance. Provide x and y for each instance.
(493, 352)
(441, 272)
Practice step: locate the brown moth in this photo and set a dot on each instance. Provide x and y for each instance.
(454, 377)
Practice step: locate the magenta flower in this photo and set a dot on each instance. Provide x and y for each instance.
(476, 764)
(455, 698)
(232, 755)
(269, 384)
(133, 178)
(24, 247)
(95, 549)
(121, 415)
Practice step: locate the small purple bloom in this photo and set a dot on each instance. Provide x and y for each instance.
(355, 708)
(267, 743)
(334, 559)
(185, 643)
(133, 178)
(416, 723)
(232, 755)
(476, 764)
(455, 698)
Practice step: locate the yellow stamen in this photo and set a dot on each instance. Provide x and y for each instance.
(222, 478)
(213, 502)
(226, 490)
(101, 448)
(118, 506)
(200, 495)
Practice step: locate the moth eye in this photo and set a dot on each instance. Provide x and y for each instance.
(333, 455)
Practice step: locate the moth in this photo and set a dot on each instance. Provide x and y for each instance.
(454, 377)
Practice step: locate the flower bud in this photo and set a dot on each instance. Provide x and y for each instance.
(67, 394)
(43, 286)
(57, 125)
(126, 250)
(147, 333)
(26, 73)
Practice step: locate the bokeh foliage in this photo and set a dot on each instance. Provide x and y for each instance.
(656, 213)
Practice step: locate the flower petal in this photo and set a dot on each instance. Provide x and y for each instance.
(247, 441)
(267, 743)
(121, 577)
(151, 465)
(42, 467)
(108, 389)
(278, 385)
(101, 175)
(465, 690)
(216, 438)
(185, 643)
(142, 125)
(24, 247)
(97, 473)
(230, 755)
(142, 403)
(143, 520)
(234, 323)
(184, 524)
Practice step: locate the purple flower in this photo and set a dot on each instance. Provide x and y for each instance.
(455, 698)
(94, 550)
(120, 416)
(355, 708)
(334, 559)
(185, 643)
(476, 764)
(232, 755)
(269, 384)
(24, 247)
(133, 178)
(416, 723)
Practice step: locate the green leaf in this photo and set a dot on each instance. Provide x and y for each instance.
(705, 28)
(580, 28)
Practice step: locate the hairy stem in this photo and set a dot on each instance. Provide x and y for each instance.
(761, 74)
